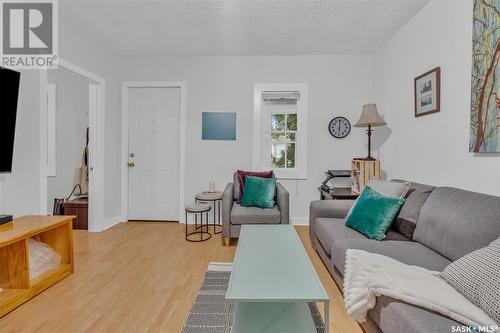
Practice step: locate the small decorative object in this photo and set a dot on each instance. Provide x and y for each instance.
(365, 170)
(211, 187)
(369, 118)
(428, 92)
(218, 126)
(485, 90)
(355, 187)
(339, 127)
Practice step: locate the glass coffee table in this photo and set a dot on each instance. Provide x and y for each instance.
(272, 282)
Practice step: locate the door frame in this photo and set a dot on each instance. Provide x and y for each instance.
(97, 97)
(126, 85)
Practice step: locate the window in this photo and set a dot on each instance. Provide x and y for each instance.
(283, 134)
(280, 129)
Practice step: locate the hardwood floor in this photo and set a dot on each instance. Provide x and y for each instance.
(138, 277)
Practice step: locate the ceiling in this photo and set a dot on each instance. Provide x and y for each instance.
(248, 27)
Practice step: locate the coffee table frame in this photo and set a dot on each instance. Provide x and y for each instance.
(272, 266)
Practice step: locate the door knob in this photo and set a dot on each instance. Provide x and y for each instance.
(131, 164)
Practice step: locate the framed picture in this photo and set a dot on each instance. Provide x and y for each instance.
(485, 85)
(218, 126)
(428, 92)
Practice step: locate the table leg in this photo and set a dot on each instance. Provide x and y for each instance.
(326, 317)
(214, 219)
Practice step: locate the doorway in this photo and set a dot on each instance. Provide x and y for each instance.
(153, 151)
(68, 103)
(96, 87)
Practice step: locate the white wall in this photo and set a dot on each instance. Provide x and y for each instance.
(72, 119)
(20, 191)
(432, 149)
(87, 52)
(338, 85)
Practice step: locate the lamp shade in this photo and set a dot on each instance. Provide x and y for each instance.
(370, 117)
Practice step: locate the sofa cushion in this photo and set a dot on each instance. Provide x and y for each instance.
(407, 218)
(329, 230)
(254, 215)
(411, 253)
(395, 316)
(455, 222)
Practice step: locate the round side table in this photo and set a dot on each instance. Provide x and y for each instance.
(198, 209)
(216, 198)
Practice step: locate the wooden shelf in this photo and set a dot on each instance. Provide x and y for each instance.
(367, 169)
(55, 231)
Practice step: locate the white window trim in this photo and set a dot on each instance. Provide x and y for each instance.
(51, 129)
(300, 172)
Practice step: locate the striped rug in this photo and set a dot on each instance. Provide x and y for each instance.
(210, 312)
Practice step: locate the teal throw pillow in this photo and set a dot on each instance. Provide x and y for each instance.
(259, 192)
(374, 213)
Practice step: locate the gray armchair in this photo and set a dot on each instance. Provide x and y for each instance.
(234, 215)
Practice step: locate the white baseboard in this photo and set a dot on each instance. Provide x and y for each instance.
(112, 222)
(299, 220)
(293, 220)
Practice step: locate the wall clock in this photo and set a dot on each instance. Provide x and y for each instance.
(339, 127)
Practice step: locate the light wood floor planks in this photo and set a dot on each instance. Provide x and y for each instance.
(139, 277)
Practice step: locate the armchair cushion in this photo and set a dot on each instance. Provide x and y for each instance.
(241, 180)
(254, 215)
(259, 192)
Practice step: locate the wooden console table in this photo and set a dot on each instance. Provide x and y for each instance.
(80, 209)
(56, 231)
(338, 193)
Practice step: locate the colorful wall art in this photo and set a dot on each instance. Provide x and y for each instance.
(485, 92)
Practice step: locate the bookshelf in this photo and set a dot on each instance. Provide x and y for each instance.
(56, 231)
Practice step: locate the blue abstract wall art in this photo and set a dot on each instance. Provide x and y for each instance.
(218, 126)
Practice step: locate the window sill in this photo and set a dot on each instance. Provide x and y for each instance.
(291, 178)
(289, 174)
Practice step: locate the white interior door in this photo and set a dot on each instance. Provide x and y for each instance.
(154, 146)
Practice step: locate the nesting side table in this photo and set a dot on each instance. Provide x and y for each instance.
(202, 210)
(216, 199)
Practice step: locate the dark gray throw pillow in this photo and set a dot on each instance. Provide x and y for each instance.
(236, 187)
(406, 221)
(477, 276)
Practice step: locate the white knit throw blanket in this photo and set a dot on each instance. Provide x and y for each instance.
(368, 275)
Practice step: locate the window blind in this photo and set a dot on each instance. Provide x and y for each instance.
(280, 97)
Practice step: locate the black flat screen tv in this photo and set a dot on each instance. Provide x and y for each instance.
(9, 91)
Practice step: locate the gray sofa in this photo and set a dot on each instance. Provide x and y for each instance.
(435, 226)
(234, 215)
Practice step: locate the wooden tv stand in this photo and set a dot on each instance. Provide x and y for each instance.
(56, 231)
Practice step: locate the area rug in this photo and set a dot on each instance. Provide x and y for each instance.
(211, 313)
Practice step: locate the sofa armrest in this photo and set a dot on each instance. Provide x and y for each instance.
(227, 206)
(327, 209)
(283, 203)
